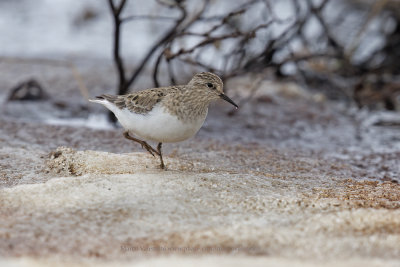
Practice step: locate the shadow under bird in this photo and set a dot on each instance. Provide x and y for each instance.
(166, 114)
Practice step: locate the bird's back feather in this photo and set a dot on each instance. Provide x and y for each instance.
(141, 102)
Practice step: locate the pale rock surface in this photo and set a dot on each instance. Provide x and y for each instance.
(120, 207)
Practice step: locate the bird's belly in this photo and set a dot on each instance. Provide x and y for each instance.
(158, 125)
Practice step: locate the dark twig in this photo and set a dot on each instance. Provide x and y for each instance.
(145, 17)
(167, 36)
(179, 27)
(116, 12)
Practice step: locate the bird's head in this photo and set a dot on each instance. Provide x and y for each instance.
(210, 86)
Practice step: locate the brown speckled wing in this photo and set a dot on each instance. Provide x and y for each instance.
(141, 102)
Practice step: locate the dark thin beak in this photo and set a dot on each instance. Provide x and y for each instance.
(227, 99)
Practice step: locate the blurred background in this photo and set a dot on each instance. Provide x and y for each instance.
(62, 53)
(346, 50)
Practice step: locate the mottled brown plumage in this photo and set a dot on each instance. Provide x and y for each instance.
(141, 102)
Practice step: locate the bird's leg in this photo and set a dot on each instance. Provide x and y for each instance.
(160, 155)
(143, 143)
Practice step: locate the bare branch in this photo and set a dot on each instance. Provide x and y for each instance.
(146, 17)
(167, 36)
(210, 40)
(174, 32)
(116, 11)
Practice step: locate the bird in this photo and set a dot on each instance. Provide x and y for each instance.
(165, 114)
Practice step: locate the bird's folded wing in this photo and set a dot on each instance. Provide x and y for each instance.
(141, 102)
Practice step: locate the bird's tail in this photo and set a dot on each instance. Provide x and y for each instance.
(102, 99)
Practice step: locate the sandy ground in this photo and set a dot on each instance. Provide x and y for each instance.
(287, 181)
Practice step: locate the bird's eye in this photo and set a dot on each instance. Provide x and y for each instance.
(210, 85)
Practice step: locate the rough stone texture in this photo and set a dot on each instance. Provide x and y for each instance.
(115, 207)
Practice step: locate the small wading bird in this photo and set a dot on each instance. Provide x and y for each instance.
(166, 114)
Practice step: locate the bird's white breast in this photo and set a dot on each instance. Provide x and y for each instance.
(158, 125)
